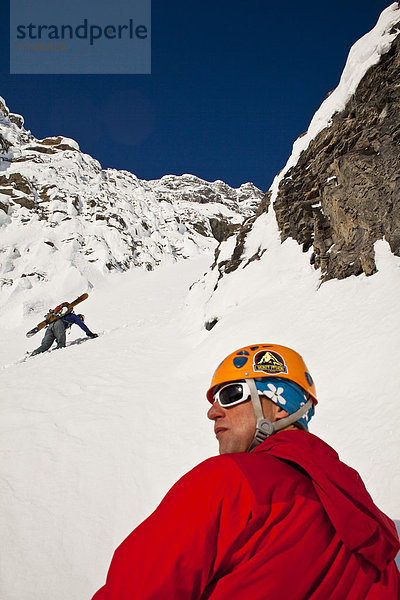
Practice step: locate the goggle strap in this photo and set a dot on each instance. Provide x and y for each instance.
(264, 427)
(255, 399)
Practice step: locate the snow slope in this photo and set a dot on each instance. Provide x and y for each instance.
(93, 436)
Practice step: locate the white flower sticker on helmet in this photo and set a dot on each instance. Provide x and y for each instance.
(275, 394)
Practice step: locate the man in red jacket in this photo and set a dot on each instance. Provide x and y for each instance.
(277, 515)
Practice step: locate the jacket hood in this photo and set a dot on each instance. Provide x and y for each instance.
(362, 527)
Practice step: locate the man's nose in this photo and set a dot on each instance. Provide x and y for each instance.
(216, 411)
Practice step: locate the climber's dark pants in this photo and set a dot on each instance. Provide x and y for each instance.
(55, 331)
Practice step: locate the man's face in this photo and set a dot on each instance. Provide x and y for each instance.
(234, 427)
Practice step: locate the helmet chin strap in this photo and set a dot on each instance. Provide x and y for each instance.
(264, 427)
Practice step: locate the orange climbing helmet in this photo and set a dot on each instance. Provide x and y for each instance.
(263, 360)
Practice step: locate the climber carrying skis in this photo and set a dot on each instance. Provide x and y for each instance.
(56, 330)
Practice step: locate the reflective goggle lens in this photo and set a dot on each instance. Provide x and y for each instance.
(231, 394)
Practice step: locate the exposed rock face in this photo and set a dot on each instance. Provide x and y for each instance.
(194, 189)
(228, 265)
(344, 192)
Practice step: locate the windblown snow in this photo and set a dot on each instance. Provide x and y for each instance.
(94, 435)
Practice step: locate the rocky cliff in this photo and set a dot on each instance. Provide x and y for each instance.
(344, 192)
(341, 193)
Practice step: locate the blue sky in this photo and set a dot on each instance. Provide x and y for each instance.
(232, 86)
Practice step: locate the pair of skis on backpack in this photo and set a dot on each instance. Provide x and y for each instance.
(57, 313)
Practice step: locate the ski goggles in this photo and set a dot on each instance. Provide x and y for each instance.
(231, 394)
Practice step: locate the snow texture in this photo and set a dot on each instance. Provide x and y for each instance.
(94, 435)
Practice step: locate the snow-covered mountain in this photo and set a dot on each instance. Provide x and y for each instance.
(339, 191)
(65, 220)
(92, 437)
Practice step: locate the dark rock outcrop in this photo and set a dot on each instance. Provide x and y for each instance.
(344, 192)
(227, 266)
(17, 182)
(222, 228)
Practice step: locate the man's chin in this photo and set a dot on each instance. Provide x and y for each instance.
(223, 449)
(231, 448)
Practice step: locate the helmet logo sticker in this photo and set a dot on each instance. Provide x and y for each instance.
(267, 361)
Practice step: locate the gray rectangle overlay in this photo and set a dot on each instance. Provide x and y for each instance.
(80, 37)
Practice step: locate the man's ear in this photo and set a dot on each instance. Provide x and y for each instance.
(272, 411)
(279, 412)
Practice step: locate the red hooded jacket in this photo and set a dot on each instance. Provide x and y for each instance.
(287, 521)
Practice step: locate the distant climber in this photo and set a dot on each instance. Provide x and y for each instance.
(57, 331)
